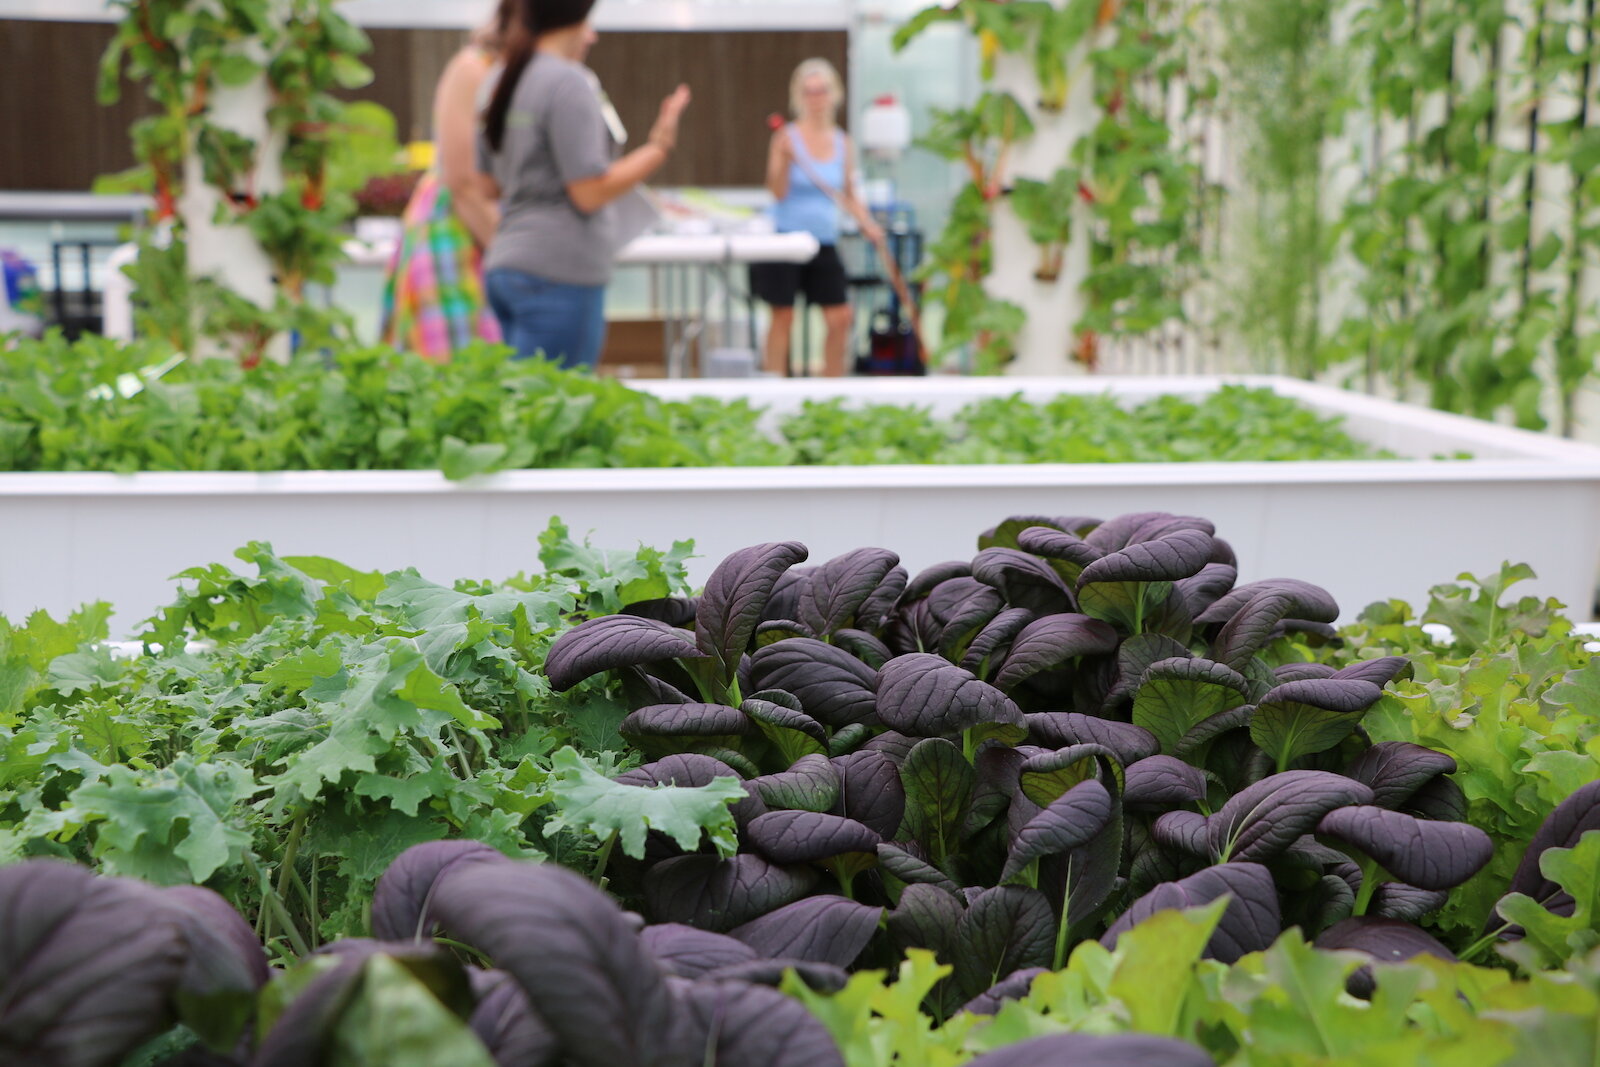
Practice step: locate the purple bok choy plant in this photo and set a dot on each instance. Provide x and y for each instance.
(96, 970)
(93, 968)
(707, 662)
(599, 987)
(1087, 722)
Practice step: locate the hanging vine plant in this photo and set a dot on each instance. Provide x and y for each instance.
(1473, 275)
(186, 52)
(1285, 91)
(1459, 268)
(1147, 199)
(982, 139)
(1574, 146)
(1045, 208)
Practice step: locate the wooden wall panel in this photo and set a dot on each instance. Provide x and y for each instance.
(61, 139)
(738, 79)
(405, 65)
(53, 133)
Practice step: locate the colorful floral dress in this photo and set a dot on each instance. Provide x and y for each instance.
(433, 299)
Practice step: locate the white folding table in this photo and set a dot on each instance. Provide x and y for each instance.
(680, 266)
(27, 205)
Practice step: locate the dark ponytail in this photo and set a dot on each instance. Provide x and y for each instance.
(505, 19)
(493, 35)
(538, 17)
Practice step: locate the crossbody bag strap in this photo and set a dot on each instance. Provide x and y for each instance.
(890, 265)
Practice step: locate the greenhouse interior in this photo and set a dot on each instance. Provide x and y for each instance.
(762, 533)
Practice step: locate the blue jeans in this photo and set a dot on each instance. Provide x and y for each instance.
(565, 324)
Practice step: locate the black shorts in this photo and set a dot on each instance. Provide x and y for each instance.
(823, 280)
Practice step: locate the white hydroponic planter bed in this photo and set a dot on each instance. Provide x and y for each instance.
(1366, 531)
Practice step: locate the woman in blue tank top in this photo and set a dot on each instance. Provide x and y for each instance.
(808, 166)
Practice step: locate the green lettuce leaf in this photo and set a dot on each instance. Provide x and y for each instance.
(586, 800)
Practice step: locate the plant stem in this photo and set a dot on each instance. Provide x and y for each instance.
(1369, 885)
(1482, 943)
(296, 941)
(1575, 252)
(1063, 927)
(703, 686)
(304, 893)
(1377, 165)
(461, 946)
(316, 911)
(272, 908)
(602, 858)
(291, 852)
(1530, 181)
(460, 753)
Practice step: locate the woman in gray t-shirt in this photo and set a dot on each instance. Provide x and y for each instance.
(551, 152)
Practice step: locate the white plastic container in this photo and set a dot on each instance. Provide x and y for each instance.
(886, 127)
(731, 363)
(1364, 530)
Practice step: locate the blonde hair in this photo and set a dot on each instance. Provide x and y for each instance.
(809, 69)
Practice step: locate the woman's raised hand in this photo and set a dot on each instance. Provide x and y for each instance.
(664, 134)
(782, 146)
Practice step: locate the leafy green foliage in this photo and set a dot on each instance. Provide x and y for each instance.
(982, 138)
(1046, 208)
(588, 800)
(1284, 1005)
(186, 54)
(284, 734)
(1133, 192)
(1510, 695)
(27, 652)
(1283, 89)
(368, 410)
(172, 825)
(1549, 939)
(612, 577)
(1151, 204)
(1465, 289)
(1458, 232)
(98, 406)
(1476, 615)
(395, 1018)
(1234, 423)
